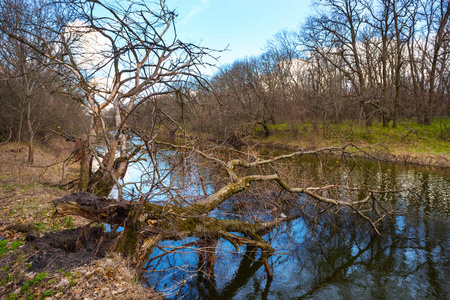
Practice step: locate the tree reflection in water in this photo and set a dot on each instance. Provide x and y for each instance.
(324, 255)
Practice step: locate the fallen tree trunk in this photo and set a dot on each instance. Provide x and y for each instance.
(92, 207)
(146, 225)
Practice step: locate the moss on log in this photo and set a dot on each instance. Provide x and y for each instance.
(146, 225)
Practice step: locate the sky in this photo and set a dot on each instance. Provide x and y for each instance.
(244, 26)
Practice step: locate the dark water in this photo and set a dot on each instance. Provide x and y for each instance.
(330, 256)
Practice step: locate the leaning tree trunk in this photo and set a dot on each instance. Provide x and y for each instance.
(112, 169)
(101, 183)
(103, 180)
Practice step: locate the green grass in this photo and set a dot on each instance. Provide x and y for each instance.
(409, 136)
(35, 288)
(71, 278)
(47, 293)
(7, 246)
(68, 221)
(3, 247)
(7, 279)
(7, 187)
(35, 281)
(279, 127)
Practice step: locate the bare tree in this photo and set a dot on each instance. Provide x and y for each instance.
(389, 21)
(30, 86)
(440, 14)
(334, 34)
(117, 56)
(245, 94)
(21, 69)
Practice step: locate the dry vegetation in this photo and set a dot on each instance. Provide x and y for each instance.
(41, 256)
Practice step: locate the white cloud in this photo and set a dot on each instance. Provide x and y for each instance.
(195, 10)
(91, 48)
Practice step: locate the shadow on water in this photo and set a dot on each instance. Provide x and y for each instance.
(324, 256)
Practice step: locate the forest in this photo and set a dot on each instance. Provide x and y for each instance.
(351, 60)
(162, 153)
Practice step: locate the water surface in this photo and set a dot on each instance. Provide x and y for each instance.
(328, 256)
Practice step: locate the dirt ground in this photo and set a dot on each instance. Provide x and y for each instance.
(47, 257)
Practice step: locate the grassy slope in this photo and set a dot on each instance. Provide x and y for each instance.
(409, 142)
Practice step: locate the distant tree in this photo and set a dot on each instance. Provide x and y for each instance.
(389, 23)
(244, 90)
(30, 85)
(334, 33)
(439, 16)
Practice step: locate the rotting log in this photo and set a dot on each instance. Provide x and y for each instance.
(92, 207)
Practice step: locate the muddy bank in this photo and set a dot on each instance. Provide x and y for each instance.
(68, 249)
(69, 264)
(434, 160)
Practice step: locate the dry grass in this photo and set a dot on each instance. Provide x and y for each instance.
(26, 193)
(49, 166)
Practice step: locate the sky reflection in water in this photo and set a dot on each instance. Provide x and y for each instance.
(410, 259)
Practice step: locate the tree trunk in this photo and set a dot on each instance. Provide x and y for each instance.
(19, 137)
(84, 156)
(266, 128)
(385, 121)
(84, 173)
(31, 135)
(31, 149)
(101, 183)
(135, 246)
(103, 180)
(367, 115)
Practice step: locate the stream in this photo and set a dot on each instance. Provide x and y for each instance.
(409, 260)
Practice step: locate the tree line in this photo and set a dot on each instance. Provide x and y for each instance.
(34, 95)
(367, 61)
(361, 60)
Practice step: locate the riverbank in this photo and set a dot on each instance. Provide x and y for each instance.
(397, 156)
(409, 143)
(42, 257)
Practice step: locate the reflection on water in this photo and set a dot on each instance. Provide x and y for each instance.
(316, 260)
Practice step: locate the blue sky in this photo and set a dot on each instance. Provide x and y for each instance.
(244, 25)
